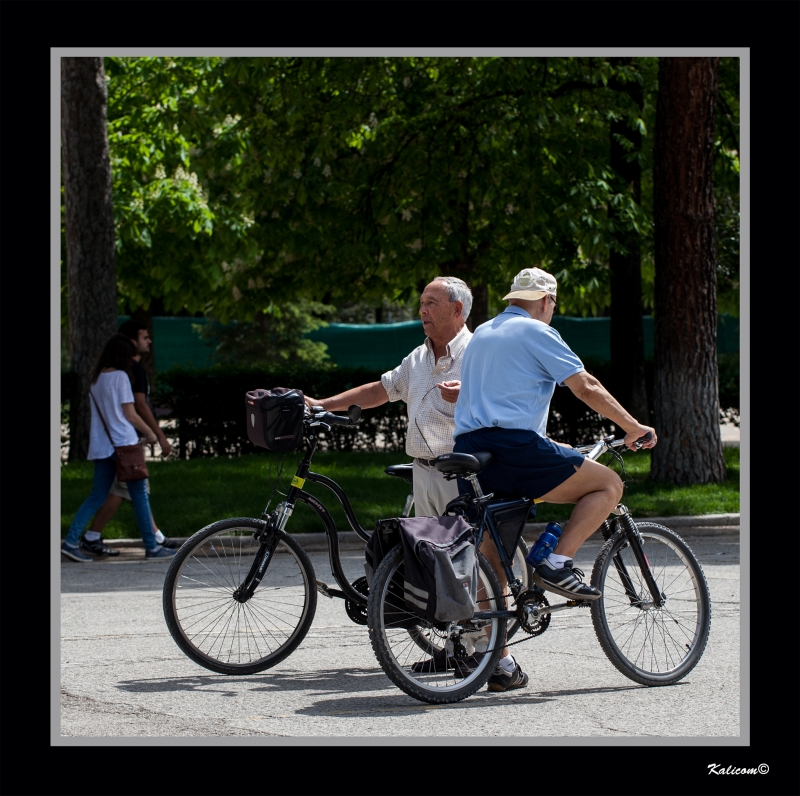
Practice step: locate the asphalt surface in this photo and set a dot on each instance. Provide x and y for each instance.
(122, 676)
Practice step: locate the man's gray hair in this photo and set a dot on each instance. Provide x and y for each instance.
(458, 290)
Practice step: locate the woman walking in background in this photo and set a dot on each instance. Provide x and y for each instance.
(111, 393)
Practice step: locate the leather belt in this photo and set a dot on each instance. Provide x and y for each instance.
(427, 462)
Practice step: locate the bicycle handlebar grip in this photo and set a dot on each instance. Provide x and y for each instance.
(341, 420)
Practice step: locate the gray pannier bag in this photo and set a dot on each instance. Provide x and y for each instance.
(440, 567)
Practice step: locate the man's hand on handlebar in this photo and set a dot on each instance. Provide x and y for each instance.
(641, 437)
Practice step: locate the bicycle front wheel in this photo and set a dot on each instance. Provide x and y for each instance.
(216, 630)
(397, 651)
(651, 645)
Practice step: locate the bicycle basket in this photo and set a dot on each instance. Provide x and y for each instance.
(275, 418)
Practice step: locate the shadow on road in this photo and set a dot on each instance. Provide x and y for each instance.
(352, 682)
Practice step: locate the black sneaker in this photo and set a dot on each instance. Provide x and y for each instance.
(171, 544)
(501, 680)
(97, 548)
(566, 581)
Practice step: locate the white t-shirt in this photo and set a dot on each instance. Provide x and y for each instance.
(111, 390)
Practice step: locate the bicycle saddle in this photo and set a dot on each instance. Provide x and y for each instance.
(404, 471)
(463, 463)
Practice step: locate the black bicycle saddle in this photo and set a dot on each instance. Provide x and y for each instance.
(462, 463)
(404, 471)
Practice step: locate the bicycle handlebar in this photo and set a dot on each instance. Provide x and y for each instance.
(596, 449)
(319, 415)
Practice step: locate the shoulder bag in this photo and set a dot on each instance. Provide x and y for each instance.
(131, 465)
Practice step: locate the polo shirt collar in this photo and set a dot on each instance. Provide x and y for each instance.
(513, 309)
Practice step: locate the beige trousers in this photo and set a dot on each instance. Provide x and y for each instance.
(431, 491)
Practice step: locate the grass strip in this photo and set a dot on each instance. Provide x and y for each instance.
(188, 495)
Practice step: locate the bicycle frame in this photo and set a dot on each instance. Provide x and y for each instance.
(297, 494)
(623, 521)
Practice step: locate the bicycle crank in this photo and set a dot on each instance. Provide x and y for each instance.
(532, 619)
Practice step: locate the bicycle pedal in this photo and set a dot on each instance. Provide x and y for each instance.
(323, 588)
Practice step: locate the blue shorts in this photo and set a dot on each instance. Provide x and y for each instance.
(524, 464)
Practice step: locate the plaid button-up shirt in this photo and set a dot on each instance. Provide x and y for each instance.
(430, 417)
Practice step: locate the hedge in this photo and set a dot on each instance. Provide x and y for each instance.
(208, 404)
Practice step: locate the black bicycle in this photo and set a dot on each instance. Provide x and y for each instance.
(240, 594)
(652, 620)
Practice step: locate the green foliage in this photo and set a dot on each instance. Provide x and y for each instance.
(161, 209)
(388, 171)
(275, 335)
(244, 184)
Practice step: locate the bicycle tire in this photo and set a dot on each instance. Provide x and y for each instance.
(430, 640)
(220, 633)
(394, 649)
(652, 646)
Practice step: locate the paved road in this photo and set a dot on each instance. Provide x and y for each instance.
(122, 675)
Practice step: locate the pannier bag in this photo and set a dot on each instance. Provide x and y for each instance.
(440, 568)
(384, 538)
(275, 418)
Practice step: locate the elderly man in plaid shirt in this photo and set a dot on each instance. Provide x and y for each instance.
(429, 380)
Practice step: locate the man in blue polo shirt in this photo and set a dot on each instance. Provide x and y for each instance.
(508, 376)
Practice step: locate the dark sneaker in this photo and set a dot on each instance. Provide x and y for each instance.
(440, 663)
(171, 544)
(97, 548)
(566, 581)
(159, 552)
(75, 553)
(501, 680)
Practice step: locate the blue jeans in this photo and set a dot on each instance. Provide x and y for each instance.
(104, 472)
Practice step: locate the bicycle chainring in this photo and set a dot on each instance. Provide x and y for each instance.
(531, 624)
(356, 612)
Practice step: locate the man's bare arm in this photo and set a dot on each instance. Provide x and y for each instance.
(366, 396)
(133, 418)
(589, 390)
(144, 411)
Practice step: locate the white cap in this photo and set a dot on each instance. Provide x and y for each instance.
(532, 284)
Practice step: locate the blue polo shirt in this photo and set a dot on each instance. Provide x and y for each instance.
(509, 372)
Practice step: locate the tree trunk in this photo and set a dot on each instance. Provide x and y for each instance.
(627, 335)
(480, 307)
(89, 230)
(686, 390)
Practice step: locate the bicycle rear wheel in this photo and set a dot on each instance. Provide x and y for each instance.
(390, 626)
(650, 645)
(216, 630)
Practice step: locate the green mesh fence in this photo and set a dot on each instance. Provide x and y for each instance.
(382, 346)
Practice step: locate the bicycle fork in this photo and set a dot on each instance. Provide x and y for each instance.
(269, 541)
(625, 522)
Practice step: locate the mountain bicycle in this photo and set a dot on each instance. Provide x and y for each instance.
(240, 594)
(652, 620)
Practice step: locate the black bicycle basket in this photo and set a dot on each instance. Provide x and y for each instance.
(275, 418)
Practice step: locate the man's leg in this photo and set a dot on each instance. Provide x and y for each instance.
(105, 513)
(595, 490)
